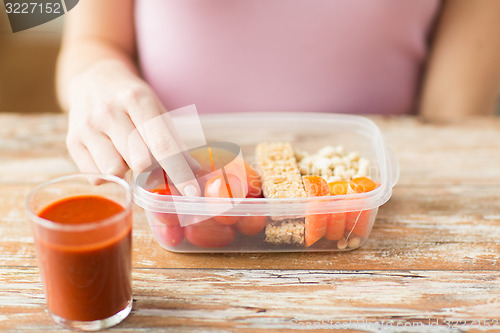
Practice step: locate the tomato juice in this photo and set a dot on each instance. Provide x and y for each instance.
(84, 255)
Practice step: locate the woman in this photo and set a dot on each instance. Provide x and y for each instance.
(123, 63)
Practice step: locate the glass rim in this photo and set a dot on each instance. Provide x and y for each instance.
(80, 226)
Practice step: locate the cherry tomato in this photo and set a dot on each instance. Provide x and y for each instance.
(170, 235)
(210, 234)
(214, 158)
(253, 182)
(162, 190)
(169, 219)
(251, 225)
(227, 220)
(216, 187)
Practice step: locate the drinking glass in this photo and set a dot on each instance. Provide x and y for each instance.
(85, 266)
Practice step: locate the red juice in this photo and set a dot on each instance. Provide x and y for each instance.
(86, 269)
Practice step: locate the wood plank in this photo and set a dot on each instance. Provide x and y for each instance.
(465, 152)
(430, 154)
(226, 300)
(433, 253)
(32, 148)
(455, 228)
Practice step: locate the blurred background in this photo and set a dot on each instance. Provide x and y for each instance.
(27, 65)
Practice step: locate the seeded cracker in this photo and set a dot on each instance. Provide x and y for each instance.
(281, 178)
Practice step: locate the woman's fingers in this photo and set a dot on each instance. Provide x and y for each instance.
(130, 145)
(145, 113)
(82, 157)
(116, 122)
(105, 155)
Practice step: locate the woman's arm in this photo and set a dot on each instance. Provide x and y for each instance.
(115, 118)
(95, 30)
(463, 72)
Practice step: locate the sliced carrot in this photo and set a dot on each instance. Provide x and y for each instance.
(358, 222)
(336, 223)
(315, 186)
(315, 228)
(315, 225)
(335, 226)
(338, 188)
(363, 184)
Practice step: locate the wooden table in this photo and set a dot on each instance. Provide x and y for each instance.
(432, 258)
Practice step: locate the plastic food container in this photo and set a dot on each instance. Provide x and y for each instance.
(167, 215)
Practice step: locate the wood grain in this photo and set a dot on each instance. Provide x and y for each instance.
(429, 154)
(432, 257)
(226, 300)
(439, 154)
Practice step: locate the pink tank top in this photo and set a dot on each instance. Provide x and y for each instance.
(347, 56)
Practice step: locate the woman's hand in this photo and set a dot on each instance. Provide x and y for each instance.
(116, 122)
